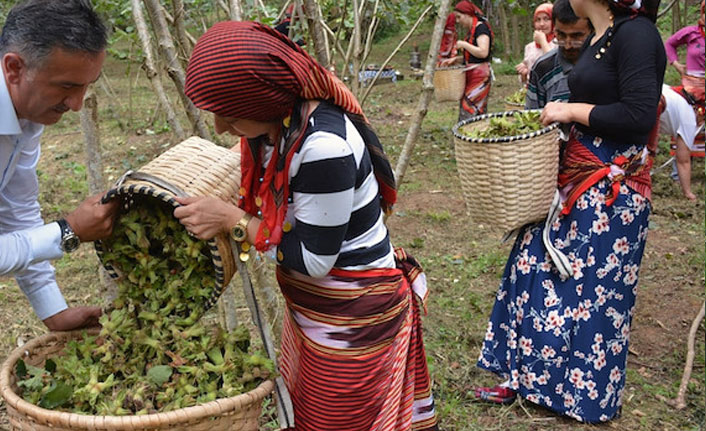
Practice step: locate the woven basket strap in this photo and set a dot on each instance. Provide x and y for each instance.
(285, 410)
(561, 261)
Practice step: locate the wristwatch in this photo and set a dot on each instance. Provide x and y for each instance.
(239, 232)
(69, 240)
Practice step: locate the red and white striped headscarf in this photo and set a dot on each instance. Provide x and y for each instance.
(248, 70)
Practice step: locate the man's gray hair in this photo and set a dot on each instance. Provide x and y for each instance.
(34, 27)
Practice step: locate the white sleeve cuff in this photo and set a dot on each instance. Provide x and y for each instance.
(46, 242)
(47, 301)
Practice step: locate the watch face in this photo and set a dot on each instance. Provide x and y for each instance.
(238, 233)
(70, 243)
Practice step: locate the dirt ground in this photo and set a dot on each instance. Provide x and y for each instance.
(463, 260)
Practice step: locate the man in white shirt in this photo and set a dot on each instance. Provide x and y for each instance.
(50, 52)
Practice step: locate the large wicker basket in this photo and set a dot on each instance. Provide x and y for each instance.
(507, 181)
(194, 167)
(239, 413)
(449, 83)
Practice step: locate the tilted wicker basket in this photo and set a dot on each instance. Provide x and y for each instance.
(194, 167)
(507, 181)
(449, 83)
(238, 413)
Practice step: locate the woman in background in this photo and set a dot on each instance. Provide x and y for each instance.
(679, 120)
(476, 50)
(560, 326)
(447, 49)
(543, 40)
(315, 185)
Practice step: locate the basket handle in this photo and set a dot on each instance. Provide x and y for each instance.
(142, 176)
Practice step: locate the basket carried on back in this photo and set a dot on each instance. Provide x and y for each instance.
(194, 167)
(507, 181)
(238, 413)
(449, 83)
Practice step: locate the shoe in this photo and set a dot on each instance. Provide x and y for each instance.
(497, 394)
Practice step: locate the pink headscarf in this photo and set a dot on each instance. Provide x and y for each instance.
(547, 9)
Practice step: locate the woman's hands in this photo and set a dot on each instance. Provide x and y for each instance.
(561, 112)
(523, 71)
(540, 38)
(447, 62)
(205, 217)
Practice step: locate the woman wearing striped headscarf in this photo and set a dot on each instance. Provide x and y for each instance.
(560, 327)
(476, 53)
(315, 184)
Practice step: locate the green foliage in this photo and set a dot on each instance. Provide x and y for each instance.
(151, 355)
(519, 123)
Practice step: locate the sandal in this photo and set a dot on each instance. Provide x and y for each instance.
(497, 394)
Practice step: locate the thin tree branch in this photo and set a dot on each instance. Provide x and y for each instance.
(425, 97)
(392, 54)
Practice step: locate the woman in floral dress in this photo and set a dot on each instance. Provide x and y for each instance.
(560, 326)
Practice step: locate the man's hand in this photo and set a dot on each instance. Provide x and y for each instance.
(73, 318)
(93, 220)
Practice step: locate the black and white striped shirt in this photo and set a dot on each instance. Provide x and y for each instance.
(334, 204)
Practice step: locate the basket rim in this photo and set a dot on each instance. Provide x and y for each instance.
(482, 117)
(167, 197)
(454, 67)
(201, 411)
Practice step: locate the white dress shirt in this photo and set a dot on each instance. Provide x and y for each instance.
(26, 243)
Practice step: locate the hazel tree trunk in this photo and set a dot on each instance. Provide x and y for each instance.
(94, 168)
(355, 49)
(89, 124)
(180, 29)
(316, 32)
(151, 71)
(235, 11)
(372, 28)
(505, 30)
(425, 96)
(174, 69)
(514, 22)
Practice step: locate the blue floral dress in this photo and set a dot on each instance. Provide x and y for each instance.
(564, 343)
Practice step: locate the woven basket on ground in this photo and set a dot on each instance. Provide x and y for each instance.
(449, 83)
(507, 181)
(194, 167)
(239, 413)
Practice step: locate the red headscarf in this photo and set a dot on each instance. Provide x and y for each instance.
(701, 19)
(465, 6)
(247, 70)
(545, 8)
(448, 39)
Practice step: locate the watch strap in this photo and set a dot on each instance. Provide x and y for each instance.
(64, 226)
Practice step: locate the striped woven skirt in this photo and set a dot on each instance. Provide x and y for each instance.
(475, 95)
(352, 354)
